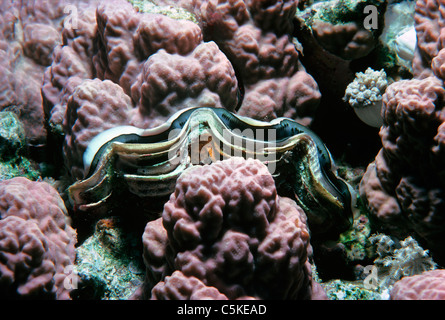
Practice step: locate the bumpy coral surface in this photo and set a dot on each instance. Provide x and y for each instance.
(332, 35)
(145, 67)
(36, 241)
(405, 185)
(429, 285)
(93, 107)
(225, 228)
(29, 32)
(157, 65)
(255, 36)
(77, 69)
(180, 287)
(429, 22)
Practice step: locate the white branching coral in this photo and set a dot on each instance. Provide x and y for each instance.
(367, 88)
(407, 260)
(365, 93)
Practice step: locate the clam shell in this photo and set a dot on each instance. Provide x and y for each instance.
(147, 163)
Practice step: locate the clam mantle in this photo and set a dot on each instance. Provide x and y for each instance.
(147, 162)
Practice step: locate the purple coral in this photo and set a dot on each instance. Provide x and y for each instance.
(255, 35)
(154, 64)
(404, 187)
(93, 107)
(429, 285)
(36, 241)
(429, 22)
(169, 82)
(226, 227)
(164, 65)
(180, 287)
(29, 32)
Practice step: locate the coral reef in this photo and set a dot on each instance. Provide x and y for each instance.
(93, 107)
(298, 95)
(169, 10)
(332, 34)
(145, 164)
(225, 226)
(180, 287)
(373, 280)
(255, 36)
(95, 205)
(334, 46)
(162, 65)
(36, 241)
(356, 239)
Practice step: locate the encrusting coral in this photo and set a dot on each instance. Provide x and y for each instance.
(94, 106)
(226, 228)
(109, 264)
(36, 242)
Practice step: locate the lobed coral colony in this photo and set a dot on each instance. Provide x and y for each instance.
(222, 149)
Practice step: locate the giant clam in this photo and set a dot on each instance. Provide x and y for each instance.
(147, 162)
